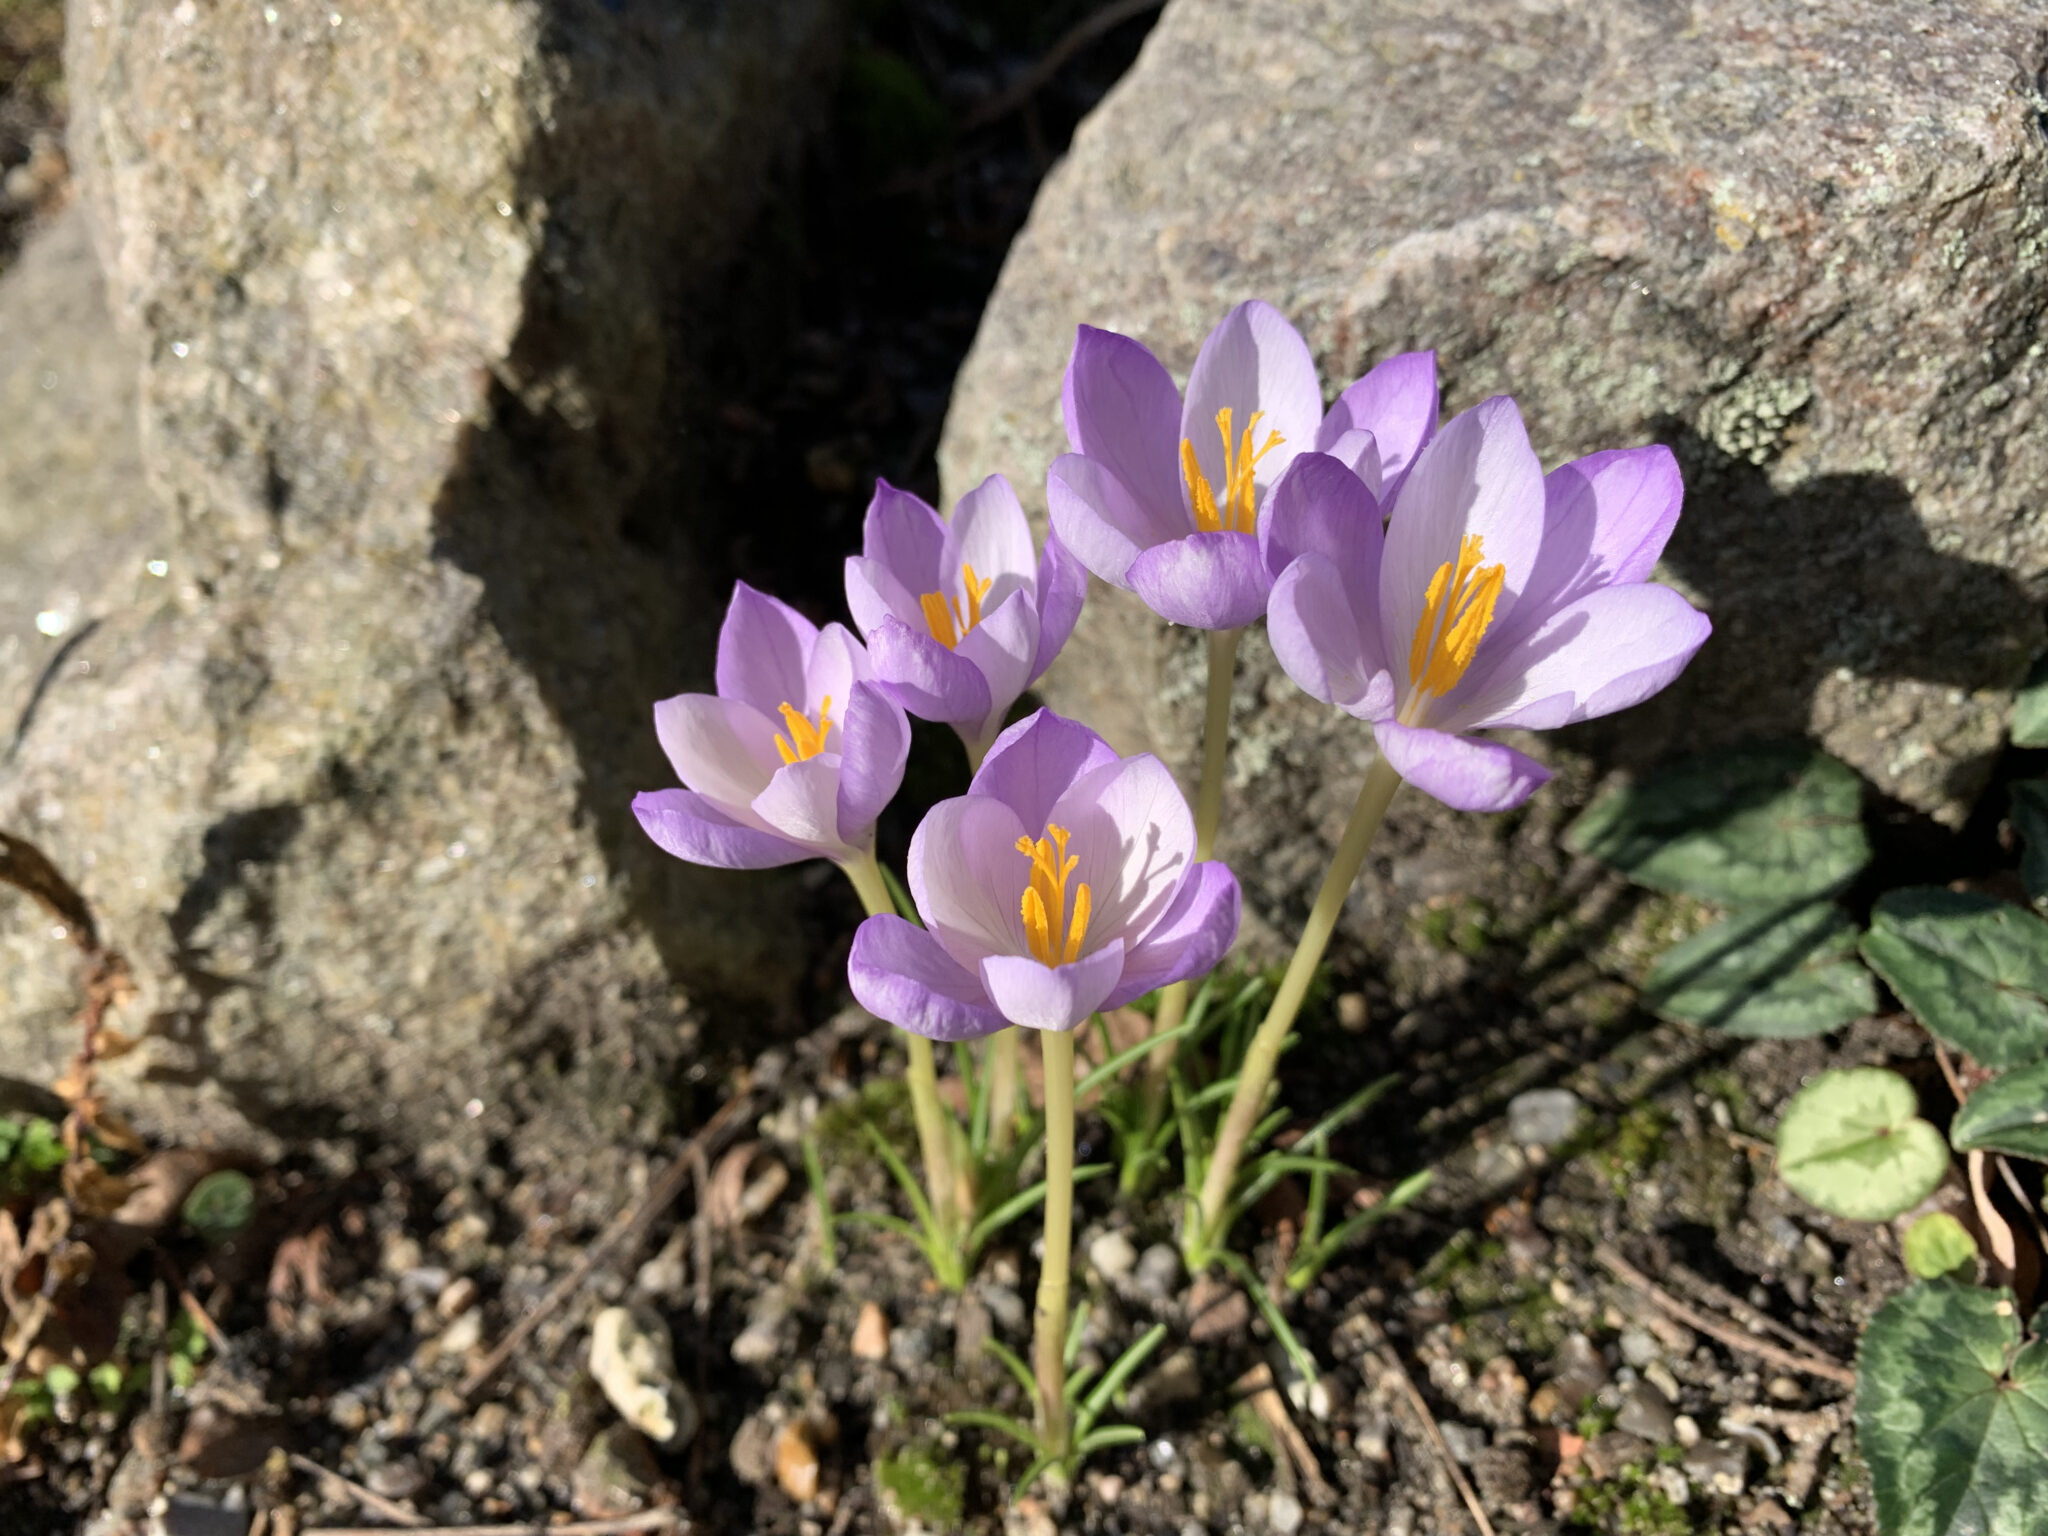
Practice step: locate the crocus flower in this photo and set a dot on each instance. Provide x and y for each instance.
(793, 758)
(1064, 881)
(1163, 496)
(960, 617)
(1498, 597)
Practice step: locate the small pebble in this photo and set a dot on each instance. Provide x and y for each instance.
(1720, 1466)
(1111, 1256)
(457, 1298)
(395, 1480)
(462, 1335)
(752, 1453)
(1638, 1347)
(761, 1340)
(1217, 1310)
(1644, 1412)
(1465, 1441)
(909, 1348)
(1543, 1117)
(1785, 1389)
(1283, 1512)
(1607, 1454)
(1685, 1430)
(1658, 1375)
(633, 1361)
(1005, 1306)
(1158, 1273)
(1353, 1012)
(871, 1334)
(1673, 1484)
(796, 1463)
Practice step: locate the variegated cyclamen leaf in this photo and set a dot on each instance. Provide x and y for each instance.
(1755, 826)
(1781, 973)
(1971, 968)
(1951, 1414)
(1937, 1245)
(2030, 820)
(1852, 1142)
(2007, 1114)
(2030, 707)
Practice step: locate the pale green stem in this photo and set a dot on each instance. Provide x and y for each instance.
(1173, 1002)
(1263, 1056)
(934, 1145)
(1049, 1320)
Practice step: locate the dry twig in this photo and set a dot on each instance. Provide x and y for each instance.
(1391, 1362)
(1264, 1396)
(1810, 1361)
(626, 1232)
(374, 1502)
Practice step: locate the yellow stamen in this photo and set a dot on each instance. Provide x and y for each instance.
(805, 740)
(1239, 512)
(1044, 905)
(943, 616)
(1456, 609)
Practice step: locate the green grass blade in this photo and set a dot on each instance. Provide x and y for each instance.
(1114, 1378)
(1107, 1436)
(1124, 1058)
(1351, 1108)
(900, 1171)
(1072, 1346)
(1014, 1364)
(1304, 1362)
(1001, 1423)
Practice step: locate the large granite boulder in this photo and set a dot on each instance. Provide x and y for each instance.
(355, 672)
(1805, 243)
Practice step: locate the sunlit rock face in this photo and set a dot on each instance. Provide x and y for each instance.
(1804, 244)
(359, 696)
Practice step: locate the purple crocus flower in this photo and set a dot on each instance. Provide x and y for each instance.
(1064, 881)
(793, 758)
(960, 617)
(1498, 597)
(1163, 496)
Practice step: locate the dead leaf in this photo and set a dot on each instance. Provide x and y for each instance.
(725, 1191)
(94, 1192)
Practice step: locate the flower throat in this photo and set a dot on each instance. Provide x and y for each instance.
(946, 618)
(805, 740)
(1456, 610)
(1238, 512)
(1045, 899)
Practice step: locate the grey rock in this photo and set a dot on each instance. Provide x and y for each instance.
(1544, 1117)
(752, 1452)
(1112, 1256)
(1157, 1277)
(1173, 1381)
(1502, 1475)
(187, 1516)
(909, 1348)
(1464, 1440)
(410, 298)
(1588, 206)
(1005, 1306)
(1644, 1412)
(1607, 1454)
(1284, 1513)
(1720, 1466)
(616, 1476)
(1638, 1347)
(762, 1340)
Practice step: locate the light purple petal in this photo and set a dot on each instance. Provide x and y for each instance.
(908, 537)
(1611, 649)
(930, 681)
(1607, 518)
(1206, 580)
(1002, 647)
(837, 662)
(1323, 643)
(693, 829)
(873, 594)
(763, 648)
(1035, 762)
(1123, 412)
(1133, 842)
(1397, 403)
(1322, 506)
(1466, 774)
(1062, 588)
(1253, 362)
(991, 533)
(899, 973)
(1477, 476)
(968, 878)
(1194, 934)
(1052, 997)
(874, 743)
(1098, 519)
(1357, 452)
(802, 803)
(722, 748)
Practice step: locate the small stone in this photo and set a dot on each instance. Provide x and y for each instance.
(1283, 1513)
(972, 1329)
(1720, 1466)
(1353, 1012)
(1658, 1375)
(1547, 1405)
(1108, 1488)
(459, 1296)
(752, 1453)
(401, 1254)
(668, 1272)
(1465, 1441)
(1607, 1454)
(1217, 1310)
(1644, 1412)
(1785, 1389)
(871, 1334)
(1112, 1256)
(1005, 1306)
(796, 1463)
(1502, 1392)
(1638, 1347)
(399, 1479)
(909, 1348)
(616, 1475)
(1158, 1273)
(1673, 1484)
(761, 1340)
(634, 1362)
(1370, 1429)
(489, 1423)
(1685, 1429)
(1175, 1380)
(1502, 1475)
(1770, 1516)
(186, 1516)
(1543, 1117)
(462, 1335)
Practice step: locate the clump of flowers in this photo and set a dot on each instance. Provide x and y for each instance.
(1430, 581)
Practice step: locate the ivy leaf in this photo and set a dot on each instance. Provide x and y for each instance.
(1756, 826)
(2030, 820)
(1951, 1414)
(1780, 972)
(2030, 707)
(2007, 1114)
(1937, 1245)
(1852, 1143)
(220, 1205)
(1972, 969)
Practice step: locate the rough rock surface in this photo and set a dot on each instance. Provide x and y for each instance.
(1805, 243)
(413, 291)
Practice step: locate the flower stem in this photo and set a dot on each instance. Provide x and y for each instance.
(1006, 1064)
(1173, 1002)
(1263, 1055)
(934, 1144)
(1049, 1320)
